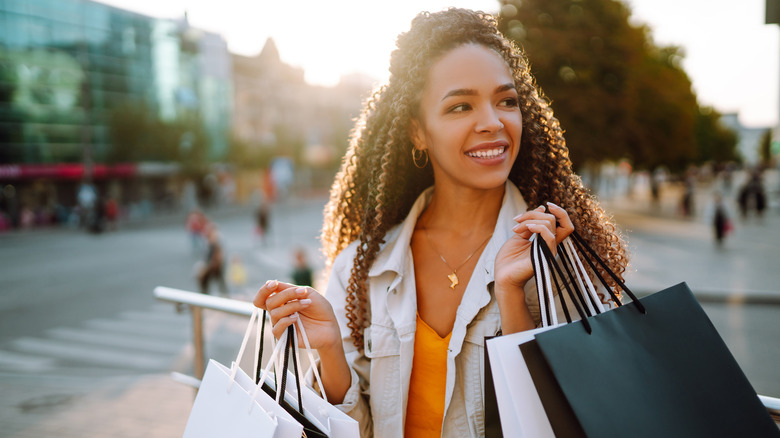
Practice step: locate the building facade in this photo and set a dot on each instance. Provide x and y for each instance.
(68, 68)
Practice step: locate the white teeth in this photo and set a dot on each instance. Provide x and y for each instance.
(486, 153)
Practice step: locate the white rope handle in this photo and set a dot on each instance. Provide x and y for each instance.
(542, 288)
(234, 369)
(582, 274)
(312, 363)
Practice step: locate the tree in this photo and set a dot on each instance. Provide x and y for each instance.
(616, 94)
(765, 148)
(716, 143)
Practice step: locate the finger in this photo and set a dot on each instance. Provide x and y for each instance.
(280, 326)
(288, 309)
(269, 288)
(545, 233)
(264, 292)
(524, 231)
(565, 225)
(285, 295)
(530, 214)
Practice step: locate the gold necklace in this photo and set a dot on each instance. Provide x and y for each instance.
(454, 276)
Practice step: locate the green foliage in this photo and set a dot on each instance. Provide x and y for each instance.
(616, 94)
(716, 143)
(765, 148)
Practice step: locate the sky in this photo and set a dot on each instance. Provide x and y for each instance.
(731, 56)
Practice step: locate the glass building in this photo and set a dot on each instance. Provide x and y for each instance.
(67, 67)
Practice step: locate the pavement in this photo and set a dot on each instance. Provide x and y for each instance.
(738, 286)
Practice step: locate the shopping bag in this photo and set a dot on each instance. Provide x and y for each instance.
(513, 407)
(673, 373)
(228, 404)
(314, 412)
(667, 368)
(510, 394)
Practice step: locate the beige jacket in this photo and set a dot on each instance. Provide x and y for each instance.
(377, 397)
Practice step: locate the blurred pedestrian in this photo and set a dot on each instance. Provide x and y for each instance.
(236, 274)
(112, 214)
(98, 217)
(261, 222)
(196, 225)
(687, 200)
(752, 196)
(302, 272)
(214, 263)
(721, 222)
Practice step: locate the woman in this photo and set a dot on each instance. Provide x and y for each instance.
(448, 174)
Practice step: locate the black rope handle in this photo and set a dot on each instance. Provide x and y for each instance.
(290, 345)
(581, 244)
(293, 338)
(551, 260)
(260, 350)
(569, 267)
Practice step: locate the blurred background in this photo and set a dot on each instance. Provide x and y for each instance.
(138, 138)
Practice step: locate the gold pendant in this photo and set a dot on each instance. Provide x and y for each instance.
(453, 280)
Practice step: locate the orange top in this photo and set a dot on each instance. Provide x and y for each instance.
(425, 406)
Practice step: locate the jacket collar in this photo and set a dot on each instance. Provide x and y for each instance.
(397, 251)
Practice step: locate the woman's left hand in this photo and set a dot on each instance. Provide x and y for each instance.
(513, 266)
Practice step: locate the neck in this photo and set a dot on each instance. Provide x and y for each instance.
(462, 211)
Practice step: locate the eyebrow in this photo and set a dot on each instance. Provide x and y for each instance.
(472, 92)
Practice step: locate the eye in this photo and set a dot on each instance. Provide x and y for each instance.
(510, 102)
(459, 108)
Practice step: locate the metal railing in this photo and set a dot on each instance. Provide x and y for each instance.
(198, 302)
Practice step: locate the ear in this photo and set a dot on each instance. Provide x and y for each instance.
(417, 134)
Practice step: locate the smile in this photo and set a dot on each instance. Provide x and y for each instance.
(487, 153)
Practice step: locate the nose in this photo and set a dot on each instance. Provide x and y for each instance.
(488, 121)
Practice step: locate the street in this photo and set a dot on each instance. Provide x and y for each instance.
(85, 350)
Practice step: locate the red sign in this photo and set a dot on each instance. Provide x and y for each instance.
(64, 171)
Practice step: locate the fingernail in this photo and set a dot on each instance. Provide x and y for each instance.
(301, 291)
(516, 228)
(550, 203)
(294, 316)
(273, 284)
(305, 302)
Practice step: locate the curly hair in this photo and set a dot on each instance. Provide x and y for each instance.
(378, 182)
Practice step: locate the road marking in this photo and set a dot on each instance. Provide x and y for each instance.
(92, 354)
(114, 340)
(10, 360)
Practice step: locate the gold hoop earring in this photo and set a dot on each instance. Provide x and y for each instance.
(416, 157)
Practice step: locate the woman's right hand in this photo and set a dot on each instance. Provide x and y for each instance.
(287, 302)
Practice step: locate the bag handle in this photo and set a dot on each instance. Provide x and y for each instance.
(304, 337)
(582, 244)
(543, 252)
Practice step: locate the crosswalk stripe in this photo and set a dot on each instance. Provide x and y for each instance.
(150, 330)
(117, 340)
(96, 355)
(156, 318)
(24, 362)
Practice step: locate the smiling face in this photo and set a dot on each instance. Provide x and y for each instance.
(469, 119)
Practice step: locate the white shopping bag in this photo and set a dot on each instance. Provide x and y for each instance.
(521, 411)
(229, 404)
(328, 418)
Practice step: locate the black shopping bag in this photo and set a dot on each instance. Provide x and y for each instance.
(492, 418)
(654, 368)
(672, 374)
